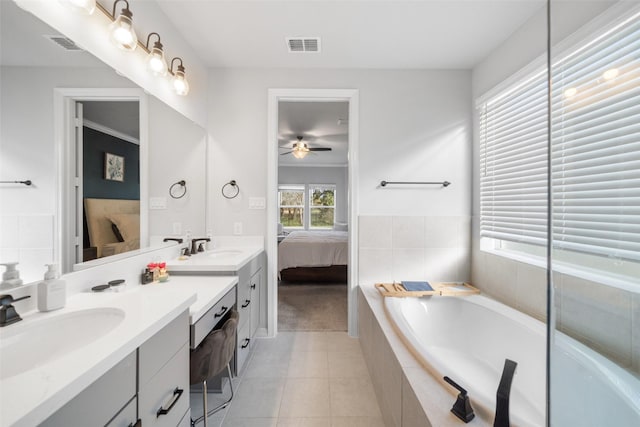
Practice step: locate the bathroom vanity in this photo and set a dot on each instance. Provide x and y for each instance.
(105, 357)
(248, 264)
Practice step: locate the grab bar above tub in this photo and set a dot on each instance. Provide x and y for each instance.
(443, 183)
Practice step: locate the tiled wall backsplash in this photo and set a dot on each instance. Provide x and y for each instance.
(27, 239)
(432, 248)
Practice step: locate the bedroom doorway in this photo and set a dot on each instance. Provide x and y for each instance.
(311, 181)
(313, 142)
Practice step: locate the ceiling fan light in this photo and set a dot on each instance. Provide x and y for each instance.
(300, 154)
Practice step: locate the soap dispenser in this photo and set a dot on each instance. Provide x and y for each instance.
(52, 291)
(11, 277)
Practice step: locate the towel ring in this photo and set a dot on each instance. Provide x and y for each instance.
(230, 190)
(178, 194)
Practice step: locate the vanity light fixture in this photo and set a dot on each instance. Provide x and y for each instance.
(121, 29)
(155, 60)
(82, 6)
(179, 81)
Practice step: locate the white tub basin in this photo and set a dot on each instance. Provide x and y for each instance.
(30, 344)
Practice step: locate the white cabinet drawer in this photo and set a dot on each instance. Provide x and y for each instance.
(243, 349)
(157, 350)
(99, 402)
(128, 417)
(164, 400)
(210, 319)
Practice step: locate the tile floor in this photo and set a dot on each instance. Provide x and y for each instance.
(300, 379)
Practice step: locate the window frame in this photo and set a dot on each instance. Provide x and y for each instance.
(324, 187)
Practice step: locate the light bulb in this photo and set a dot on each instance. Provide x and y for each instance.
(180, 84)
(570, 92)
(85, 7)
(610, 74)
(122, 32)
(300, 154)
(156, 62)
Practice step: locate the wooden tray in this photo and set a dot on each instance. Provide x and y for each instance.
(442, 289)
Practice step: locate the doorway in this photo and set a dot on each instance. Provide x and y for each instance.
(277, 96)
(69, 130)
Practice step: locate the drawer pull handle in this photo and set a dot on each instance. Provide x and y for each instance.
(246, 342)
(176, 396)
(253, 286)
(246, 303)
(137, 424)
(223, 310)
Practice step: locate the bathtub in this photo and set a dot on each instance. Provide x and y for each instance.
(469, 338)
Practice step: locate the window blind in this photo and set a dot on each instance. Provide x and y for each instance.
(595, 135)
(513, 163)
(595, 151)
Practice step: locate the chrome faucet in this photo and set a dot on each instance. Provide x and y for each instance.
(502, 396)
(194, 245)
(8, 313)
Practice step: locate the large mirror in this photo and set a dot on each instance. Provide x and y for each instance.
(130, 149)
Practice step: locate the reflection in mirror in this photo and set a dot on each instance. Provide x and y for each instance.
(36, 62)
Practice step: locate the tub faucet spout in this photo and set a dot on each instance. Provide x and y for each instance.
(502, 396)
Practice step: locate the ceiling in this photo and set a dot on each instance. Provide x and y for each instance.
(317, 123)
(121, 116)
(446, 34)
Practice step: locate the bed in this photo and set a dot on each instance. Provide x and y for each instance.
(318, 256)
(113, 225)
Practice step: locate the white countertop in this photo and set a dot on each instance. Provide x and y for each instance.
(30, 397)
(223, 259)
(208, 289)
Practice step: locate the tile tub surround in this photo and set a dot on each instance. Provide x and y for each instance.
(408, 395)
(585, 310)
(399, 248)
(301, 379)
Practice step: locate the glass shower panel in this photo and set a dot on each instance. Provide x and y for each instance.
(594, 312)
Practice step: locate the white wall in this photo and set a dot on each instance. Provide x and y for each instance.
(414, 125)
(90, 32)
(320, 175)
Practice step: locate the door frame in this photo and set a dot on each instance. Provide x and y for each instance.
(65, 156)
(310, 95)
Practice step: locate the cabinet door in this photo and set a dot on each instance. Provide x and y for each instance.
(244, 345)
(256, 281)
(102, 400)
(165, 398)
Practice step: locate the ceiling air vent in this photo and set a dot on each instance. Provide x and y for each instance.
(64, 42)
(303, 44)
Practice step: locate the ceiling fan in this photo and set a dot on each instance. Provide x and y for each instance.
(300, 149)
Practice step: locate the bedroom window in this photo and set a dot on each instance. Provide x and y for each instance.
(595, 158)
(322, 204)
(291, 205)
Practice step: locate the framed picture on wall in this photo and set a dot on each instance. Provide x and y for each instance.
(113, 167)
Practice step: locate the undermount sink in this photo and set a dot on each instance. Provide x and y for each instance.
(29, 344)
(223, 253)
